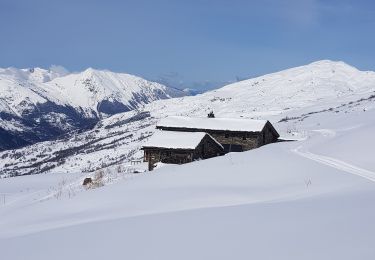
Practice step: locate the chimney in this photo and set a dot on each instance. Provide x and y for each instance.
(211, 115)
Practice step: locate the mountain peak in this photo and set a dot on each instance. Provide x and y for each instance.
(99, 73)
(330, 64)
(90, 71)
(327, 62)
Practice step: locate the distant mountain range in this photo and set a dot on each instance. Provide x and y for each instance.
(38, 104)
(175, 80)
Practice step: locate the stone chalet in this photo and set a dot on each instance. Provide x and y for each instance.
(234, 134)
(185, 139)
(180, 147)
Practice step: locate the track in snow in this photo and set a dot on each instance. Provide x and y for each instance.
(335, 163)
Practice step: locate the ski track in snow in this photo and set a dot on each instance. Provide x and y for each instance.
(326, 132)
(335, 163)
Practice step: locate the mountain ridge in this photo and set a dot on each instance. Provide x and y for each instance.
(38, 104)
(320, 82)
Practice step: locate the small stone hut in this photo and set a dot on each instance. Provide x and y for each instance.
(180, 147)
(234, 134)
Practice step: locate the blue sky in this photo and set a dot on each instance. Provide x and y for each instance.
(195, 40)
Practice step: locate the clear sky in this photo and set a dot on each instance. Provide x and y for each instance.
(197, 40)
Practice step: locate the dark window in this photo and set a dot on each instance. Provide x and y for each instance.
(236, 148)
(226, 135)
(232, 148)
(226, 147)
(244, 137)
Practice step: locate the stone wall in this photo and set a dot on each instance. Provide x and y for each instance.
(247, 141)
(154, 155)
(207, 148)
(268, 136)
(168, 155)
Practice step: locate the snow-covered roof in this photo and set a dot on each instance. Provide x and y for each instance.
(175, 140)
(204, 123)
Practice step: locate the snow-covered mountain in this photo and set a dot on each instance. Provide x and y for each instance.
(38, 104)
(108, 93)
(319, 83)
(176, 80)
(285, 98)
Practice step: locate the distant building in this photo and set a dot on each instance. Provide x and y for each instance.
(180, 147)
(234, 134)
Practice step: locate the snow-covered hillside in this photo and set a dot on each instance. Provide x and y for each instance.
(308, 199)
(321, 83)
(278, 97)
(37, 104)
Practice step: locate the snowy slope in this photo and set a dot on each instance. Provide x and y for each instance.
(18, 90)
(319, 83)
(285, 199)
(27, 113)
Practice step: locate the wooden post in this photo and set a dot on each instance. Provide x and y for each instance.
(231, 141)
(150, 163)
